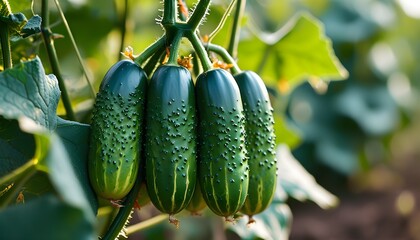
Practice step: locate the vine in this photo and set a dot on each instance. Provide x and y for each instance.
(52, 55)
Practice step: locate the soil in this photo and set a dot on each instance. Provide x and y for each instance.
(382, 204)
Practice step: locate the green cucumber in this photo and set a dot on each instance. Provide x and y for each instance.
(170, 147)
(260, 143)
(116, 130)
(223, 166)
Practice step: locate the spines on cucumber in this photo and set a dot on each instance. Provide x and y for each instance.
(116, 130)
(223, 165)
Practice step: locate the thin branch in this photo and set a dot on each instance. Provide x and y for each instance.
(52, 56)
(79, 57)
(123, 28)
(222, 21)
(146, 224)
(235, 33)
(5, 46)
(198, 15)
(199, 48)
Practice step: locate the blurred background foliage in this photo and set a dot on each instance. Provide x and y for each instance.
(337, 129)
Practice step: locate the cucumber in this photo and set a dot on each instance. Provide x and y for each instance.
(260, 143)
(116, 130)
(171, 164)
(222, 164)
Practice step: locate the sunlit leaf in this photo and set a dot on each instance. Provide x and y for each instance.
(25, 90)
(300, 50)
(305, 51)
(31, 27)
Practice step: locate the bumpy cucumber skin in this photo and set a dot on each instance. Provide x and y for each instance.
(116, 130)
(222, 165)
(171, 165)
(260, 142)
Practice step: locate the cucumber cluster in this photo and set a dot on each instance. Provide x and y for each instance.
(204, 143)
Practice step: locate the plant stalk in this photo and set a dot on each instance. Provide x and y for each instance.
(225, 56)
(183, 10)
(169, 12)
(173, 54)
(198, 15)
(146, 224)
(73, 42)
(123, 28)
(149, 51)
(150, 66)
(5, 45)
(52, 56)
(201, 51)
(222, 21)
(235, 33)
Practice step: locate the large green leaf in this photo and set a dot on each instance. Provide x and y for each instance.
(45, 218)
(305, 51)
(300, 50)
(52, 158)
(25, 90)
(75, 138)
(13, 153)
(64, 178)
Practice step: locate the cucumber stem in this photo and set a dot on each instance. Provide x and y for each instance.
(183, 10)
(123, 28)
(225, 56)
(173, 54)
(150, 66)
(149, 51)
(199, 13)
(199, 48)
(169, 13)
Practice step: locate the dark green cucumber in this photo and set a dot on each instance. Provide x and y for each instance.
(116, 130)
(170, 148)
(260, 142)
(223, 166)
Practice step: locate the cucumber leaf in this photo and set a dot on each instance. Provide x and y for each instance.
(298, 51)
(25, 90)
